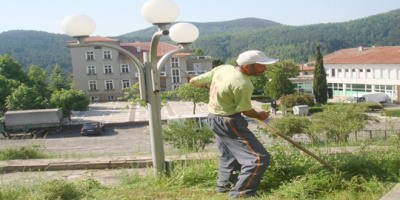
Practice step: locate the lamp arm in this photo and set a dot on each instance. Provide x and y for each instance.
(135, 60)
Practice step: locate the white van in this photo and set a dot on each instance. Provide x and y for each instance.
(378, 97)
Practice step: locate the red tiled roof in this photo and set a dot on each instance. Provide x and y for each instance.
(162, 48)
(365, 55)
(96, 39)
(306, 67)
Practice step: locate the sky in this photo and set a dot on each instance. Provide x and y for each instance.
(119, 17)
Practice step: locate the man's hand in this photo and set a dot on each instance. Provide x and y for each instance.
(262, 115)
(200, 85)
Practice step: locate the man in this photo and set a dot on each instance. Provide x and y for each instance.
(230, 97)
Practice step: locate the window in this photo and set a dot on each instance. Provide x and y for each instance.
(376, 73)
(91, 69)
(109, 84)
(92, 85)
(353, 73)
(126, 83)
(391, 73)
(333, 72)
(124, 68)
(327, 72)
(176, 76)
(89, 55)
(347, 73)
(110, 98)
(175, 87)
(108, 69)
(174, 62)
(368, 73)
(383, 73)
(107, 55)
(360, 73)
(340, 73)
(398, 74)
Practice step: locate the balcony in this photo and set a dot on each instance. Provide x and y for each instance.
(196, 73)
(198, 58)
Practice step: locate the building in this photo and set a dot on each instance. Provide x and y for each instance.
(364, 70)
(304, 82)
(102, 73)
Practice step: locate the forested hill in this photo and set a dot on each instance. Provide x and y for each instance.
(36, 48)
(298, 42)
(225, 40)
(209, 28)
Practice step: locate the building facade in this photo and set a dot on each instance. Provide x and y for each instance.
(362, 70)
(102, 73)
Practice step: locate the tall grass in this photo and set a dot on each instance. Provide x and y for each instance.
(366, 174)
(24, 152)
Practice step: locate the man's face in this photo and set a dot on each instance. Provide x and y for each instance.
(256, 69)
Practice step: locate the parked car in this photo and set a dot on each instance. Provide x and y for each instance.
(93, 128)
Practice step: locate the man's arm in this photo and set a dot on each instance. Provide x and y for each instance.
(254, 114)
(201, 85)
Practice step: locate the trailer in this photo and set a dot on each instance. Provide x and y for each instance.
(33, 122)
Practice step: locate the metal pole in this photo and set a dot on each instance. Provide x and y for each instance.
(154, 106)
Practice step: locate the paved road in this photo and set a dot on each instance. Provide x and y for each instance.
(126, 130)
(127, 133)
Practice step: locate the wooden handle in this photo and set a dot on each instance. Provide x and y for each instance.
(297, 145)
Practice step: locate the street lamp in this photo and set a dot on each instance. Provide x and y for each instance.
(160, 13)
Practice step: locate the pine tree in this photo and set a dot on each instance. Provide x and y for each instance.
(320, 85)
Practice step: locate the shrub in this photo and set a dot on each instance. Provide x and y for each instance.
(28, 152)
(187, 135)
(291, 100)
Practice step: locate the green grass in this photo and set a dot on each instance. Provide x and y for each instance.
(365, 175)
(391, 113)
(24, 152)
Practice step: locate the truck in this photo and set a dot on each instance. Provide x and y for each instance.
(35, 122)
(378, 97)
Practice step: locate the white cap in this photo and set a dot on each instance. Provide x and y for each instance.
(254, 56)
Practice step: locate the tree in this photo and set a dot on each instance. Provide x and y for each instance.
(292, 125)
(289, 67)
(189, 92)
(37, 80)
(70, 100)
(259, 82)
(6, 88)
(12, 70)
(199, 52)
(24, 98)
(320, 85)
(57, 79)
(279, 85)
(216, 62)
(339, 120)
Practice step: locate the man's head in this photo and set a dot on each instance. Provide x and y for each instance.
(254, 62)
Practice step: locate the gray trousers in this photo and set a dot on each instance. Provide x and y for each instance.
(240, 151)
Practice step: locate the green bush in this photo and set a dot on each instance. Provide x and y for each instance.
(374, 106)
(186, 135)
(27, 152)
(391, 113)
(291, 100)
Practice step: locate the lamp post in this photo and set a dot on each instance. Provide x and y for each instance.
(160, 13)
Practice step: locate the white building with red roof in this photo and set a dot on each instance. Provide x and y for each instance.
(102, 73)
(364, 70)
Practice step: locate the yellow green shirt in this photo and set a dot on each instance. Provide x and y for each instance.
(230, 90)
